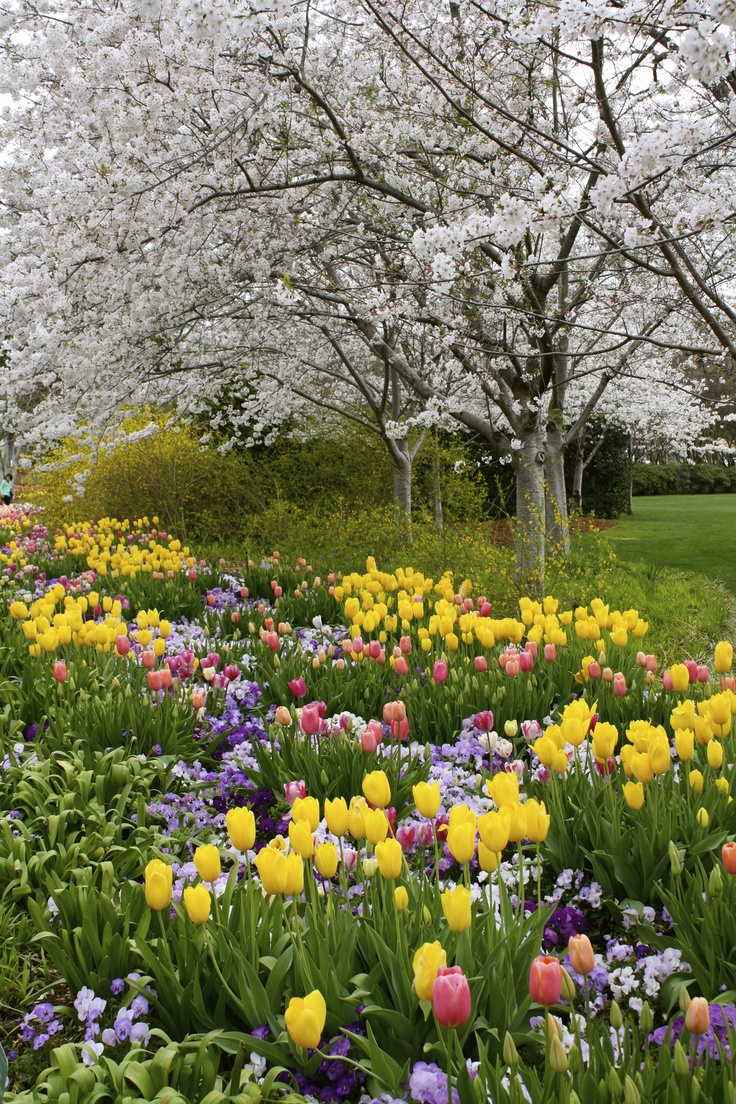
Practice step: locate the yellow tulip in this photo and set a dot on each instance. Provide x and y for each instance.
(634, 794)
(696, 781)
(456, 907)
(504, 788)
(306, 808)
(305, 1019)
(357, 822)
(427, 962)
(488, 859)
(207, 862)
(294, 874)
(517, 824)
(401, 898)
(389, 856)
(641, 767)
(493, 829)
(702, 818)
(659, 756)
(715, 755)
(300, 837)
(723, 655)
(685, 744)
(377, 789)
(603, 743)
(427, 798)
(461, 841)
(337, 816)
(158, 877)
(537, 821)
(683, 715)
(271, 867)
(376, 825)
(241, 828)
(197, 903)
(325, 859)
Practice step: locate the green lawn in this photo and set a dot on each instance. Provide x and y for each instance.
(690, 532)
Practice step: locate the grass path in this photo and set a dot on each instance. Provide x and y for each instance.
(689, 532)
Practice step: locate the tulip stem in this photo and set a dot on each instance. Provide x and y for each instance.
(539, 878)
(448, 1052)
(520, 902)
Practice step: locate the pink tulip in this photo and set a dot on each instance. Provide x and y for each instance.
(401, 666)
(311, 721)
(122, 644)
(594, 669)
(358, 645)
(219, 680)
(641, 659)
(59, 671)
(484, 608)
(512, 666)
(381, 657)
(525, 661)
(451, 997)
(347, 647)
(400, 729)
(371, 737)
(192, 574)
(550, 653)
(667, 681)
(424, 834)
(703, 673)
(692, 669)
(198, 699)
(608, 674)
(293, 790)
(148, 660)
(481, 664)
(155, 680)
(468, 605)
(531, 646)
(374, 649)
(272, 639)
(439, 672)
(619, 684)
(298, 687)
(406, 835)
(545, 980)
(483, 722)
(231, 671)
(405, 645)
(244, 592)
(212, 660)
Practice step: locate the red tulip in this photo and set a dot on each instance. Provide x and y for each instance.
(451, 997)
(483, 722)
(545, 980)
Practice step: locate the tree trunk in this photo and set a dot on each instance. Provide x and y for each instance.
(530, 510)
(402, 470)
(558, 528)
(631, 475)
(576, 500)
(437, 487)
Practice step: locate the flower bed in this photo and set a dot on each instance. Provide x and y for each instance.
(281, 836)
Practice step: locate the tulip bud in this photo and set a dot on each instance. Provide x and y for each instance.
(675, 863)
(575, 1059)
(715, 883)
(557, 1056)
(681, 1064)
(614, 1085)
(615, 1017)
(684, 1000)
(646, 1019)
(631, 1093)
(510, 1053)
(568, 986)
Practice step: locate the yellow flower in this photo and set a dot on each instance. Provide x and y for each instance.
(401, 898)
(685, 744)
(702, 818)
(461, 841)
(306, 808)
(456, 907)
(197, 903)
(300, 838)
(723, 655)
(427, 962)
(305, 1019)
(545, 750)
(389, 856)
(634, 794)
(517, 823)
(376, 825)
(158, 877)
(325, 859)
(696, 781)
(357, 818)
(715, 755)
(427, 798)
(294, 874)
(207, 862)
(537, 821)
(493, 829)
(241, 828)
(377, 789)
(683, 715)
(504, 788)
(488, 859)
(641, 767)
(659, 755)
(603, 744)
(337, 816)
(271, 867)
(18, 611)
